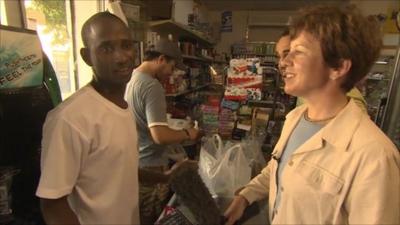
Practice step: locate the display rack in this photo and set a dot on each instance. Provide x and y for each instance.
(275, 101)
(375, 87)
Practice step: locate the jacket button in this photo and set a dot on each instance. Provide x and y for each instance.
(290, 163)
(282, 189)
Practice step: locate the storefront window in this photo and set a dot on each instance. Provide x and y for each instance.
(49, 19)
(3, 15)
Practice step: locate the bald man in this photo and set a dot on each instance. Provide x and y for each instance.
(89, 148)
(283, 48)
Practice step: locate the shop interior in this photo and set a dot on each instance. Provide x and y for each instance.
(232, 89)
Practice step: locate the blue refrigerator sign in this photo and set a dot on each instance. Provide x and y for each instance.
(21, 63)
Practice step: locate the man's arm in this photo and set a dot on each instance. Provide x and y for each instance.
(154, 177)
(62, 150)
(57, 211)
(164, 135)
(156, 118)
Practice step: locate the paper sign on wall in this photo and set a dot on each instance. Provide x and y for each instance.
(226, 21)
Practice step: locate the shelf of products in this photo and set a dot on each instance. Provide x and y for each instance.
(192, 57)
(179, 29)
(203, 59)
(253, 104)
(375, 87)
(188, 91)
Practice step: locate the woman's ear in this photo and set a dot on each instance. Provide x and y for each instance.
(342, 70)
(85, 54)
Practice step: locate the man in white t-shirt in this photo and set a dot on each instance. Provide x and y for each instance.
(89, 156)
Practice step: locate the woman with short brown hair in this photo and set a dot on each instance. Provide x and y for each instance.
(332, 164)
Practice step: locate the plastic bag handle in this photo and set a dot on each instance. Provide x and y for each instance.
(232, 150)
(217, 141)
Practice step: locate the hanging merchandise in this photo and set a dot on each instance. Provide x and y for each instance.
(244, 81)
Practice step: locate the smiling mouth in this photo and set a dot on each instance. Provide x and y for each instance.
(125, 70)
(287, 75)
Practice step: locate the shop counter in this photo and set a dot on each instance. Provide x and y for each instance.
(255, 214)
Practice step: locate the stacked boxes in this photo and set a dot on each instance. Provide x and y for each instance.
(210, 118)
(226, 122)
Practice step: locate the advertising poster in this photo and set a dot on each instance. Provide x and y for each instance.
(21, 63)
(226, 21)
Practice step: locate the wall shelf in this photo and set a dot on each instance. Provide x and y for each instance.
(203, 59)
(267, 25)
(192, 57)
(178, 30)
(188, 91)
(220, 62)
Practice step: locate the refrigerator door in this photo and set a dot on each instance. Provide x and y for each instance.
(391, 116)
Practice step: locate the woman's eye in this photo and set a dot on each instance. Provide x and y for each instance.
(295, 52)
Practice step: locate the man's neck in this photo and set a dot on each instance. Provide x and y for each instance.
(114, 94)
(147, 68)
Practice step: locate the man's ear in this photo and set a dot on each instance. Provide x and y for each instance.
(342, 70)
(85, 54)
(161, 59)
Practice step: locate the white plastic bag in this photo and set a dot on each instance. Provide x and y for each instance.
(223, 170)
(253, 153)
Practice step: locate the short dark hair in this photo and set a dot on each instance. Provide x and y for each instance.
(92, 20)
(344, 33)
(151, 55)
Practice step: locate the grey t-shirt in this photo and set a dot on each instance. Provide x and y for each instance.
(146, 96)
(303, 131)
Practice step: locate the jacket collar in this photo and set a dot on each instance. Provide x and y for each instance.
(337, 132)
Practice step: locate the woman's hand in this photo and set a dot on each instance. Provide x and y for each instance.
(235, 209)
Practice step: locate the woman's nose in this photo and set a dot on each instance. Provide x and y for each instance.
(286, 60)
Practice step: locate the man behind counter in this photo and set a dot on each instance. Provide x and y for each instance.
(146, 95)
